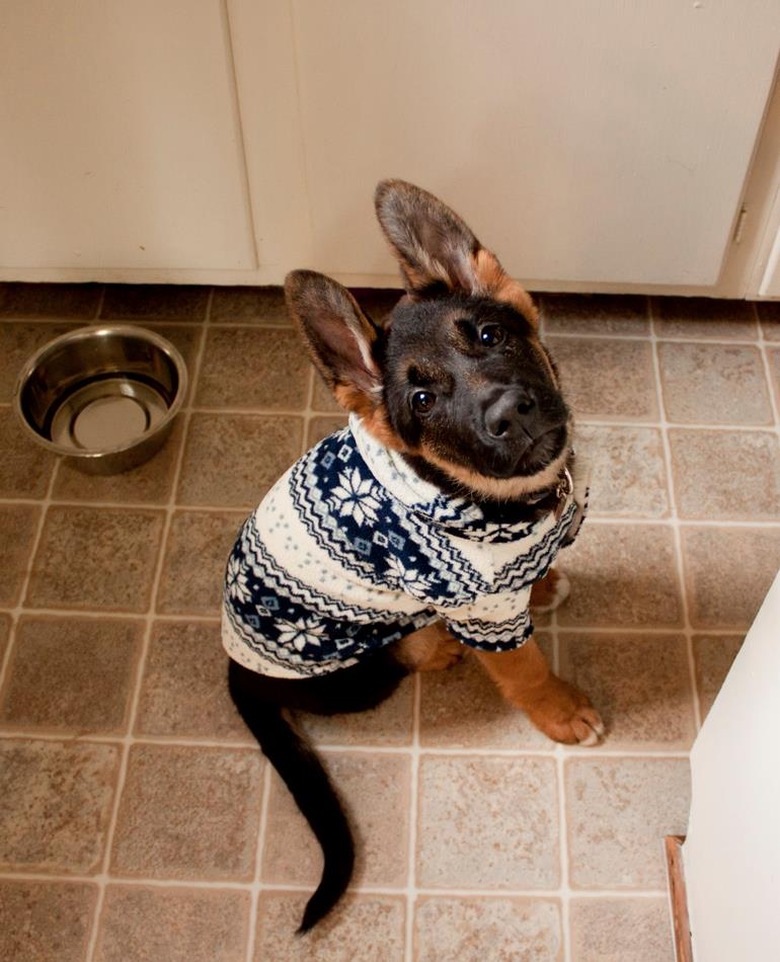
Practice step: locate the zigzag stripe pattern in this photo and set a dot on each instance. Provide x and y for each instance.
(291, 624)
(276, 580)
(489, 636)
(528, 568)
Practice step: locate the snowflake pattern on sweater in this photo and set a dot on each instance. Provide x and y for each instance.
(351, 550)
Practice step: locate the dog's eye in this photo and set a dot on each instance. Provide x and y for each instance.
(423, 401)
(490, 335)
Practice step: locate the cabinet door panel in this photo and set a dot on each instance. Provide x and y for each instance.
(586, 142)
(120, 139)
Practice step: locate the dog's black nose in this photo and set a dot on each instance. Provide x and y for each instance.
(508, 414)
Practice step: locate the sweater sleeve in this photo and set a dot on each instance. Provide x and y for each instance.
(494, 622)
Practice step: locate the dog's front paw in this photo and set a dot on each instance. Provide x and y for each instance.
(565, 714)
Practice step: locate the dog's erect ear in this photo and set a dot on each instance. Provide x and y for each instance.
(433, 245)
(340, 338)
(438, 252)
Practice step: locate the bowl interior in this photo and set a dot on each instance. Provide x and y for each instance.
(100, 389)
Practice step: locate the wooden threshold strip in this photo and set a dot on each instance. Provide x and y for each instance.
(678, 897)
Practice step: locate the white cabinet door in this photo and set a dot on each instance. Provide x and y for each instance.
(732, 852)
(586, 142)
(120, 145)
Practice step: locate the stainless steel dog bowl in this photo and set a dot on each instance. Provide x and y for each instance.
(103, 397)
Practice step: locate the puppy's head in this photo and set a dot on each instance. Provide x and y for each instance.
(457, 379)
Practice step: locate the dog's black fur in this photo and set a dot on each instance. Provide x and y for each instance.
(458, 381)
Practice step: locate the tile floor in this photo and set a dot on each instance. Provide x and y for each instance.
(137, 820)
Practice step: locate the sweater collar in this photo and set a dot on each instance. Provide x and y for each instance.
(457, 515)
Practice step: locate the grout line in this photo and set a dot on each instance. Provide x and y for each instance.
(563, 846)
(563, 824)
(171, 741)
(414, 794)
(257, 885)
(676, 529)
(764, 346)
(239, 886)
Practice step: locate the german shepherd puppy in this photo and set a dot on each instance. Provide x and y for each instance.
(418, 532)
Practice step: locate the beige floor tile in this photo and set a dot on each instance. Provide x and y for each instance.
(149, 483)
(196, 554)
(619, 810)
(728, 572)
(71, 674)
(628, 930)
(186, 338)
(773, 356)
(606, 378)
(249, 305)
(490, 722)
(253, 367)
(18, 524)
(376, 790)
(154, 302)
(49, 301)
(18, 342)
(189, 813)
(487, 822)
(697, 317)
(232, 460)
(102, 558)
(56, 802)
(184, 686)
(640, 684)
(360, 929)
(622, 575)
(713, 656)
(733, 475)
(713, 384)
(25, 468)
(482, 929)
(45, 921)
(390, 724)
(321, 427)
(594, 314)
(628, 473)
(140, 924)
(322, 399)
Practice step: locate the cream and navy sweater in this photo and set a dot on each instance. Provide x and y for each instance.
(351, 550)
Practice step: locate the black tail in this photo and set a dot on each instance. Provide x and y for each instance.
(302, 772)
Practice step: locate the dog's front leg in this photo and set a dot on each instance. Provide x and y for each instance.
(559, 709)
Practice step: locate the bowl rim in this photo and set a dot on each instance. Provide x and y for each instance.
(86, 332)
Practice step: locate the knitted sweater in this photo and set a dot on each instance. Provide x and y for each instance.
(351, 550)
